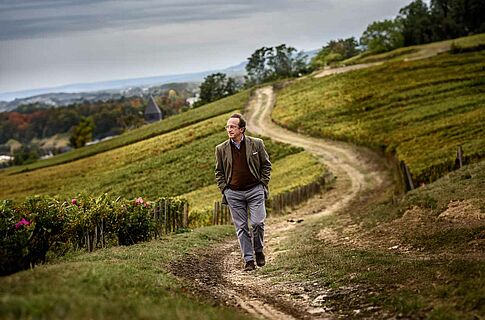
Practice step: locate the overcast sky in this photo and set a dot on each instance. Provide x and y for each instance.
(48, 43)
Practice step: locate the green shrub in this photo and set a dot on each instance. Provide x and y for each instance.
(29, 231)
(135, 222)
(15, 234)
(42, 225)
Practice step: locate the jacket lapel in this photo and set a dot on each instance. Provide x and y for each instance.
(228, 155)
(248, 148)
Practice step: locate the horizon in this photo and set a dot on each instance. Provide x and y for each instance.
(33, 92)
(23, 93)
(45, 44)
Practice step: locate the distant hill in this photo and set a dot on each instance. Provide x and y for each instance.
(106, 90)
(58, 99)
(57, 96)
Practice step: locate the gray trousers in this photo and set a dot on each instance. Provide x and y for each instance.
(244, 205)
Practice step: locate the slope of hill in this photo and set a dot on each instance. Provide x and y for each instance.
(131, 282)
(420, 110)
(170, 164)
(470, 43)
(171, 158)
(419, 258)
(178, 121)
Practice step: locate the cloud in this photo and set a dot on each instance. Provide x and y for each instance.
(34, 19)
(49, 43)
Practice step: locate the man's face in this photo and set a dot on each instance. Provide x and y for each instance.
(233, 130)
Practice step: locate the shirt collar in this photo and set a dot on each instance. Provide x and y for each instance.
(238, 145)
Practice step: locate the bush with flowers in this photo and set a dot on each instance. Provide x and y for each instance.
(29, 230)
(15, 231)
(42, 226)
(136, 222)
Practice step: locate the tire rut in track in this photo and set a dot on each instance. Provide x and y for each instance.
(216, 272)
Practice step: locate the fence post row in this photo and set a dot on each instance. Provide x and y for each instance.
(172, 218)
(220, 214)
(278, 203)
(406, 173)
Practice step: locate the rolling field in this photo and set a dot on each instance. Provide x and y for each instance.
(192, 116)
(177, 163)
(418, 51)
(420, 110)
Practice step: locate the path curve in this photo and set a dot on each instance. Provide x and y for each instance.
(357, 171)
(343, 160)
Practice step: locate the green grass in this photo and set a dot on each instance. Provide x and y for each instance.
(171, 164)
(190, 117)
(469, 43)
(118, 283)
(464, 188)
(421, 110)
(441, 277)
(168, 164)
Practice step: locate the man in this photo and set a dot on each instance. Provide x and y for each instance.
(242, 173)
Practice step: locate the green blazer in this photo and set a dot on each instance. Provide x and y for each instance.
(258, 162)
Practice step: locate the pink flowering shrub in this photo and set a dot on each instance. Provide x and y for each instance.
(16, 234)
(42, 226)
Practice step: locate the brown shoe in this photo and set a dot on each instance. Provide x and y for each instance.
(249, 266)
(260, 260)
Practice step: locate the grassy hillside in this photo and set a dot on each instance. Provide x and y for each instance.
(118, 283)
(421, 110)
(192, 116)
(171, 164)
(420, 51)
(176, 163)
(421, 258)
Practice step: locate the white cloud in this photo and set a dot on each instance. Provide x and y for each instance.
(46, 43)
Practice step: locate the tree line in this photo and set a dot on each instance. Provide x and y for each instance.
(109, 118)
(418, 23)
(82, 122)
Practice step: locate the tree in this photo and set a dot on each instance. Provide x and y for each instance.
(216, 86)
(280, 60)
(257, 67)
(25, 155)
(381, 36)
(416, 23)
(82, 133)
(334, 51)
(447, 19)
(456, 18)
(270, 63)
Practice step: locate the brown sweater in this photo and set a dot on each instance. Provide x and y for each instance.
(241, 178)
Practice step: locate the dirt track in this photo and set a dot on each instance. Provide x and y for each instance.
(217, 273)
